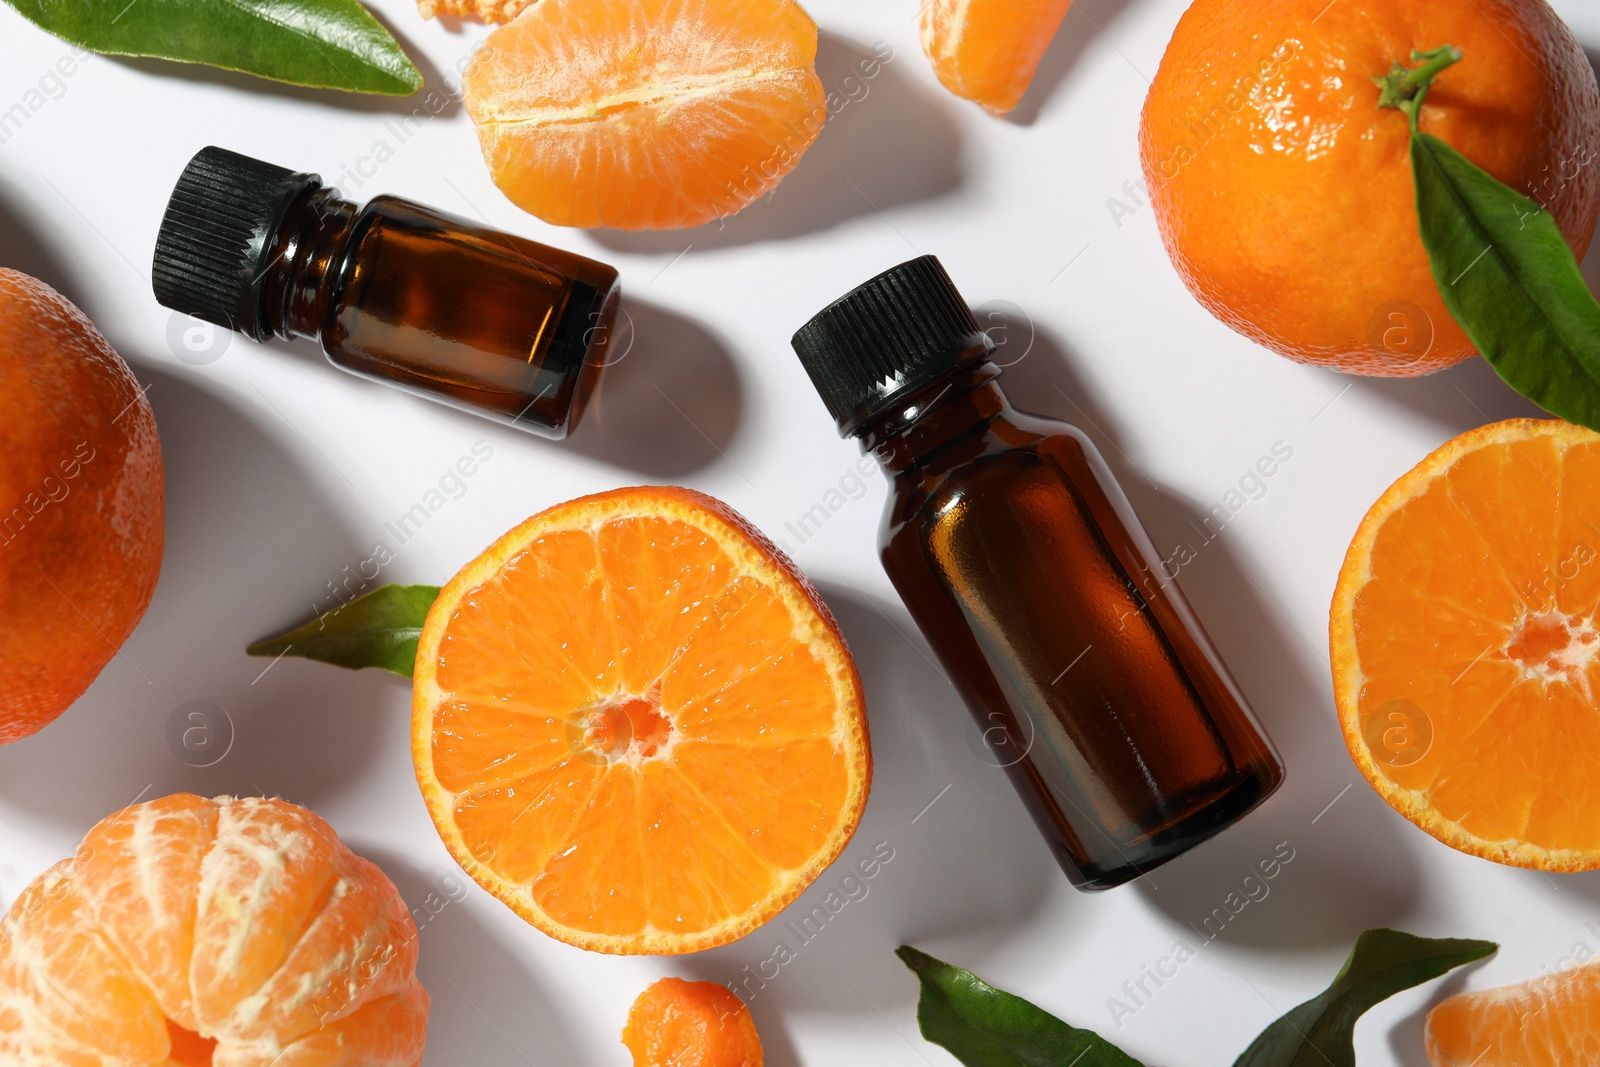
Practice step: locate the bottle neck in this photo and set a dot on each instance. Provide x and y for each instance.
(936, 415)
(302, 262)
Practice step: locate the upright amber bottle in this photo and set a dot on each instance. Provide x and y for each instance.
(1022, 562)
(482, 320)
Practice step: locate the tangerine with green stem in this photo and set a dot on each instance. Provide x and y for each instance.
(1283, 192)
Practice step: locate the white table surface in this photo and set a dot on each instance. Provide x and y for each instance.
(281, 473)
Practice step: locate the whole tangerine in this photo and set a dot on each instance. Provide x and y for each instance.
(81, 499)
(1284, 194)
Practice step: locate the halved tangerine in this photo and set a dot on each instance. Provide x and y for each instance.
(1466, 659)
(637, 723)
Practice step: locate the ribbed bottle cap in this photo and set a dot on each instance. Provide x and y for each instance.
(886, 339)
(217, 233)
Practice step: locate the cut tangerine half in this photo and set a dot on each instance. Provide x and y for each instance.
(637, 724)
(1465, 653)
(988, 51)
(645, 114)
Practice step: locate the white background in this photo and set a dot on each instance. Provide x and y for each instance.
(281, 472)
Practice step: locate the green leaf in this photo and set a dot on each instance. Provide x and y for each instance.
(986, 1027)
(1511, 281)
(379, 629)
(1321, 1032)
(329, 44)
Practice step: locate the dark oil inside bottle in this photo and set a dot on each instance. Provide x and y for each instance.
(445, 308)
(1025, 567)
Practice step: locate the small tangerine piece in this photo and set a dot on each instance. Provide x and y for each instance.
(675, 1023)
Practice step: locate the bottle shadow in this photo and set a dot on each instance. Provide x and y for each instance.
(1330, 890)
(944, 852)
(670, 400)
(435, 98)
(472, 976)
(1086, 22)
(249, 536)
(908, 136)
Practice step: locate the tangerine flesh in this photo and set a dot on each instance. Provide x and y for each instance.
(637, 724)
(988, 51)
(645, 114)
(1466, 661)
(675, 1023)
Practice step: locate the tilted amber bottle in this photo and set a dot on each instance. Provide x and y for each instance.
(1025, 567)
(437, 305)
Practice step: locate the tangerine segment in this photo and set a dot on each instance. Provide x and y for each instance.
(1466, 656)
(638, 725)
(691, 1024)
(199, 933)
(988, 50)
(645, 114)
(1551, 1021)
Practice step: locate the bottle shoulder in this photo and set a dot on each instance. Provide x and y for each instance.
(1007, 453)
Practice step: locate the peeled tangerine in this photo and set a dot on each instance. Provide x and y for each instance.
(645, 114)
(988, 50)
(1552, 1021)
(211, 933)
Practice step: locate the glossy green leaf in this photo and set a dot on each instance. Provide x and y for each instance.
(379, 629)
(331, 44)
(1511, 281)
(1321, 1032)
(986, 1027)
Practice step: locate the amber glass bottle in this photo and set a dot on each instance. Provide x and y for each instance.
(1022, 562)
(437, 305)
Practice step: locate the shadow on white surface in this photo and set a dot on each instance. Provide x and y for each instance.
(895, 141)
(488, 1008)
(1406, 1037)
(243, 518)
(1088, 23)
(21, 247)
(1454, 400)
(671, 405)
(1330, 891)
